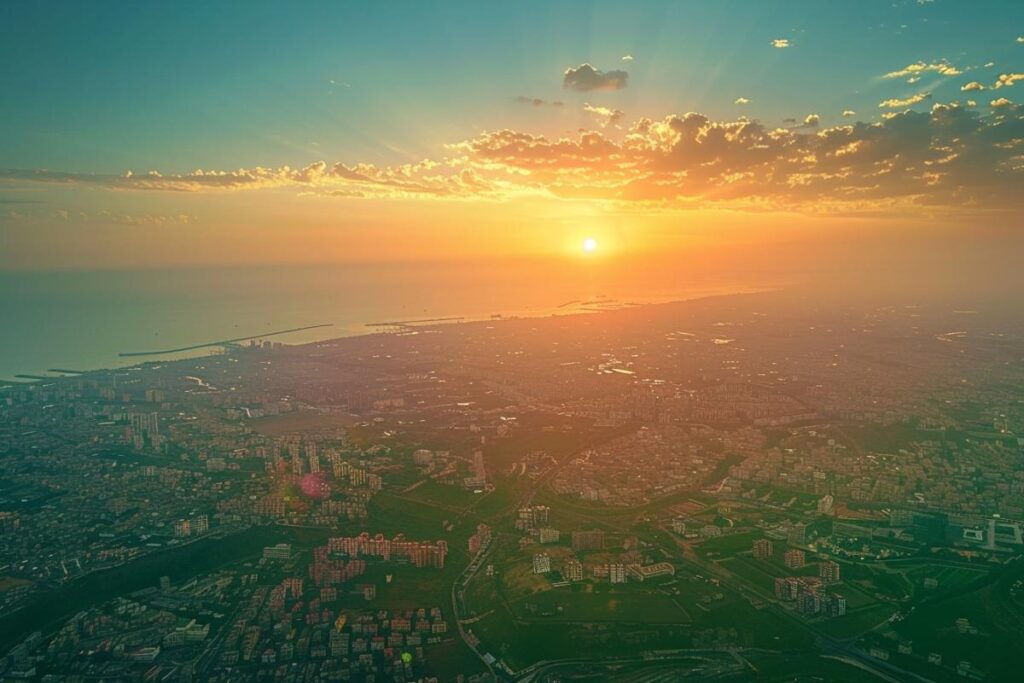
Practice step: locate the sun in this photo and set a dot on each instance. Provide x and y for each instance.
(590, 245)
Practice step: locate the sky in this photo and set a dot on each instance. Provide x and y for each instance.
(183, 134)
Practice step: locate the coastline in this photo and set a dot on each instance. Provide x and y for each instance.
(360, 330)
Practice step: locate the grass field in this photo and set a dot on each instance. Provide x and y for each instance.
(625, 606)
(951, 579)
(729, 544)
(454, 498)
(997, 618)
(857, 621)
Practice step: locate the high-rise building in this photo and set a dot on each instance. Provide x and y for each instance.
(826, 505)
(794, 559)
(809, 602)
(548, 535)
(572, 570)
(617, 572)
(532, 516)
(541, 563)
(312, 457)
(763, 549)
(835, 606)
(829, 571)
(788, 587)
(588, 540)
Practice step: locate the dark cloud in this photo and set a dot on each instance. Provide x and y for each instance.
(586, 78)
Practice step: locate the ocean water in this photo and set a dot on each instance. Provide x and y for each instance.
(81, 320)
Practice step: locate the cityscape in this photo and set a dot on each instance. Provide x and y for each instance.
(512, 342)
(505, 500)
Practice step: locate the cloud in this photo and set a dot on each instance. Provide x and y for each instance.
(896, 103)
(742, 100)
(950, 156)
(1000, 102)
(537, 102)
(140, 220)
(426, 178)
(780, 43)
(105, 217)
(586, 78)
(916, 69)
(1007, 80)
(1020, 39)
(809, 122)
(973, 85)
(627, 58)
(605, 115)
(847, 113)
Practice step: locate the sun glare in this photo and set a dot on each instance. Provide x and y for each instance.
(590, 245)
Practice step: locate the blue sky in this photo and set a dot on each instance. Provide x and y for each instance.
(186, 132)
(106, 86)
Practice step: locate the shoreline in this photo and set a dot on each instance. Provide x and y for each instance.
(359, 330)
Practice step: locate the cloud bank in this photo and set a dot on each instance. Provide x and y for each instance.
(952, 156)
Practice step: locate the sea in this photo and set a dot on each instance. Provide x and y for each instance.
(83, 320)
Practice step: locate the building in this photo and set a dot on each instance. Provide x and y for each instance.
(478, 478)
(281, 551)
(710, 531)
(826, 504)
(532, 517)
(651, 571)
(788, 588)
(834, 606)
(829, 571)
(798, 534)
(763, 549)
(541, 563)
(572, 570)
(808, 602)
(182, 528)
(794, 559)
(481, 539)
(588, 540)
(617, 573)
(548, 535)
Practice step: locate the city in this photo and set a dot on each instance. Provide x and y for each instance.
(495, 500)
(545, 341)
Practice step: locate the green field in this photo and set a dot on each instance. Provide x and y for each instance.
(730, 544)
(989, 608)
(857, 621)
(618, 606)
